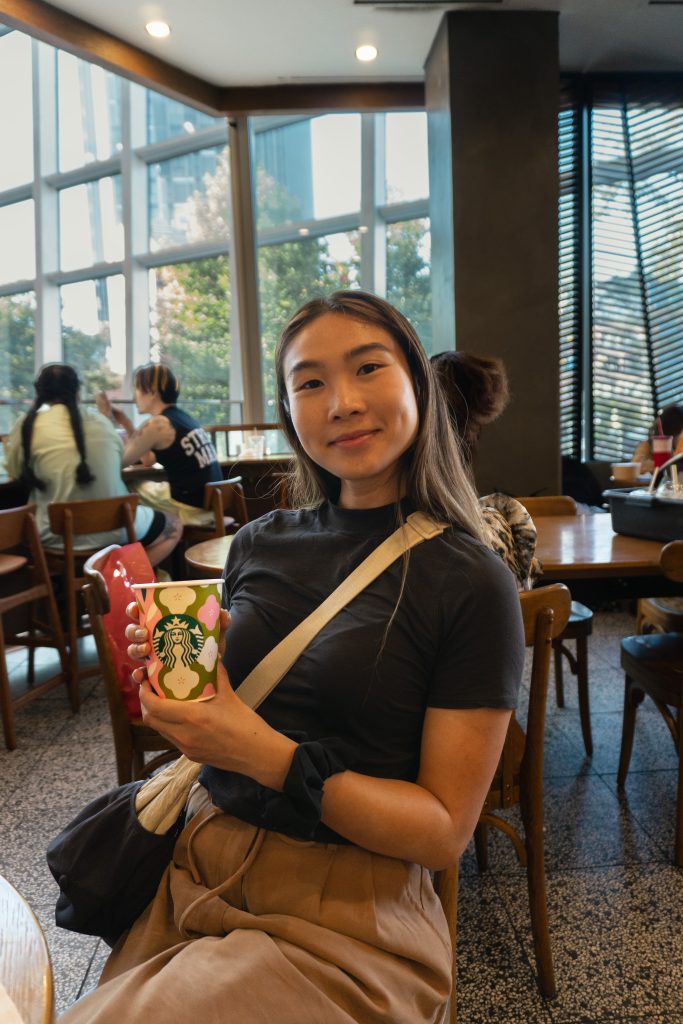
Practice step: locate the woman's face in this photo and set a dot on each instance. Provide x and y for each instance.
(143, 399)
(176, 635)
(352, 405)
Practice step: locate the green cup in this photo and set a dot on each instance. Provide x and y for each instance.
(183, 622)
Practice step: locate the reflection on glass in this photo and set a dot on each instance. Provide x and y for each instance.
(94, 332)
(407, 167)
(189, 198)
(306, 169)
(89, 111)
(90, 223)
(167, 118)
(409, 285)
(17, 259)
(291, 273)
(190, 329)
(16, 110)
(17, 345)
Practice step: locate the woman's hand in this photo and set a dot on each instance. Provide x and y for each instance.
(103, 404)
(223, 731)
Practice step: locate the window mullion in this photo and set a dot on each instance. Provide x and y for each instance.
(135, 231)
(48, 314)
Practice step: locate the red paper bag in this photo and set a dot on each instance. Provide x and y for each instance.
(125, 565)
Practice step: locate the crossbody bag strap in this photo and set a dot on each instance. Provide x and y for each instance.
(263, 679)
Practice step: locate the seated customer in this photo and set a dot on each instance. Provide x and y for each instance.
(173, 438)
(52, 449)
(476, 392)
(669, 421)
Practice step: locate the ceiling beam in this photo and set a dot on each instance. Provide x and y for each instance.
(50, 24)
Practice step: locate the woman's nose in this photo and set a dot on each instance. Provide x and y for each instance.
(346, 400)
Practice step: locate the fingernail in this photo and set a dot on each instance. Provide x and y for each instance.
(140, 634)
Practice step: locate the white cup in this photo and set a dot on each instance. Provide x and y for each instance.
(254, 445)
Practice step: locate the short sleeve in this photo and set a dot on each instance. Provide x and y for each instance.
(481, 655)
(237, 553)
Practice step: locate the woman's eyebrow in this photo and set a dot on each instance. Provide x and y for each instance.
(359, 350)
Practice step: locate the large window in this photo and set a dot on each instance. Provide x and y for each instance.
(341, 202)
(621, 227)
(115, 216)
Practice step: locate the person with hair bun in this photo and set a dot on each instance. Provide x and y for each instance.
(63, 452)
(669, 421)
(172, 437)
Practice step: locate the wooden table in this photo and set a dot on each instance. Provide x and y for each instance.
(207, 560)
(25, 969)
(585, 552)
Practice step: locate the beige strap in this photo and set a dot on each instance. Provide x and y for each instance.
(270, 670)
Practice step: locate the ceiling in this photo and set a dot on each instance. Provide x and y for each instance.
(232, 43)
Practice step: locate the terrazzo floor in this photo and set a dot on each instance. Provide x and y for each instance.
(615, 900)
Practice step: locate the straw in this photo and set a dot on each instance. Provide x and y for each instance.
(660, 428)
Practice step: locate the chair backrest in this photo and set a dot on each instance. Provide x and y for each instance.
(550, 505)
(226, 498)
(671, 560)
(13, 523)
(545, 613)
(96, 516)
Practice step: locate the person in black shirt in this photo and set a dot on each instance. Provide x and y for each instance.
(299, 890)
(171, 437)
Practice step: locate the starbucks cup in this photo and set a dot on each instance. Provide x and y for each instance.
(183, 622)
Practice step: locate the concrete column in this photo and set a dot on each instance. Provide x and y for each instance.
(492, 82)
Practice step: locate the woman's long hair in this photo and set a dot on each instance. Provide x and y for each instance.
(58, 384)
(436, 481)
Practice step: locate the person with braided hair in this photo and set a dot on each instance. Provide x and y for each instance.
(63, 452)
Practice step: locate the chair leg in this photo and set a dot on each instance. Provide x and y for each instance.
(582, 682)
(6, 709)
(559, 682)
(678, 841)
(535, 875)
(481, 845)
(632, 698)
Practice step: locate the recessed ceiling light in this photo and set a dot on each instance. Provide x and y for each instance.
(158, 29)
(366, 53)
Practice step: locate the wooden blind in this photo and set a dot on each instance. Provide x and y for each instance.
(569, 141)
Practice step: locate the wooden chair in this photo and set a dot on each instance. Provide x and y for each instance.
(653, 666)
(659, 615)
(579, 627)
(25, 966)
(132, 738)
(24, 582)
(70, 519)
(225, 498)
(519, 780)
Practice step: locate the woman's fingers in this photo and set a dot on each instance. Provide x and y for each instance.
(133, 611)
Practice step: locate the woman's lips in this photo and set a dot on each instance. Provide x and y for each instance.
(354, 440)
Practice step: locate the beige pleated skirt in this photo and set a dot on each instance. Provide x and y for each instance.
(251, 927)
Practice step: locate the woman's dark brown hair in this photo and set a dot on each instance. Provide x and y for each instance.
(57, 384)
(476, 390)
(160, 378)
(435, 479)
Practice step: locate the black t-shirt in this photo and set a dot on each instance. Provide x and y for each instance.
(456, 640)
(191, 460)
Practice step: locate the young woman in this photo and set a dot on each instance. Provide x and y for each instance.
(669, 422)
(53, 447)
(172, 437)
(300, 888)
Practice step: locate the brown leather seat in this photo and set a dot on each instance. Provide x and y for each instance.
(519, 780)
(24, 583)
(132, 738)
(653, 666)
(579, 627)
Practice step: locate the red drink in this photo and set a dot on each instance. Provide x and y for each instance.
(662, 449)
